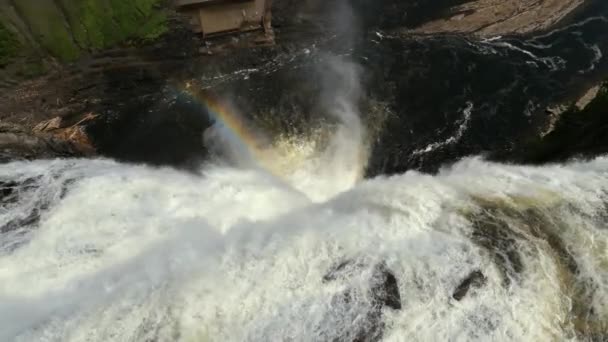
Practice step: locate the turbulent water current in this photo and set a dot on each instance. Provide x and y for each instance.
(94, 250)
(288, 242)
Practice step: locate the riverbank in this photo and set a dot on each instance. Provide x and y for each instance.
(428, 99)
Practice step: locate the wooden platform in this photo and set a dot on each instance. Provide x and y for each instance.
(216, 17)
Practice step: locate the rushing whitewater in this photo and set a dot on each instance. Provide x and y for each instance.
(287, 242)
(133, 253)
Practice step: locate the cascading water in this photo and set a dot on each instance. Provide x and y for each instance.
(292, 245)
(131, 253)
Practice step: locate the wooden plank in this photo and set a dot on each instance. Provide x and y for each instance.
(232, 17)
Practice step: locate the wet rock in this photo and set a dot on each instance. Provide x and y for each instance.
(575, 133)
(474, 280)
(30, 219)
(496, 17)
(492, 233)
(10, 193)
(25, 199)
(507, 233)
(10, 190)
(408, 95)
(62, 129)
(48, 140)
(589, 96)
(15, 146)
(383, 289)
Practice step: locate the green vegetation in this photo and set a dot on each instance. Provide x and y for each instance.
(98, 24)
(47, 24)
(9, 45)
(65, 29)
(31, 67)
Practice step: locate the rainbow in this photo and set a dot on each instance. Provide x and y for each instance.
(228, 121)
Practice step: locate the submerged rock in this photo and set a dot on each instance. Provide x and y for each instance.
(10, 189)
(494, 235)
(474, 280)
(23, 200)
(383, 291)
(10, 193)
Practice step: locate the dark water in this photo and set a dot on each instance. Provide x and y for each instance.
(444, 96)
(507, 82)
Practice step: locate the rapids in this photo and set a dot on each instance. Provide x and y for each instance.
(283, 239)
(94, 250)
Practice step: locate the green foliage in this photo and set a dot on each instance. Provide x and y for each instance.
(67, 28)
(98, 24)
(48, 25)
(33, 67)
(9, 45)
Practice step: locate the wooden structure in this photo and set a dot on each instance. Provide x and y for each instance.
(217, 17)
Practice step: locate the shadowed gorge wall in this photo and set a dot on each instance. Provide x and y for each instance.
(578, 133)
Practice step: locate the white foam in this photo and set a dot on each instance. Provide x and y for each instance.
(137, 253)
(462, 128)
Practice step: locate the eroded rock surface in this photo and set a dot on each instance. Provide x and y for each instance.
(499, 17)
(428, 99)
(50, 139)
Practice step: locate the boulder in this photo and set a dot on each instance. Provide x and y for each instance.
(383, 290)
(19, 143)
(474, 280)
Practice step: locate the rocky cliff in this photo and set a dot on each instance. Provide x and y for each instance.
(435, 89)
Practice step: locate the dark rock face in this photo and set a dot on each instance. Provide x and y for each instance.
(457, 96)
(383, 290)
(483, 17)
(10, 193)
(9, 190)
(501, 242)
(23, 200)
(18, 143)
(577, 133)
(432, 99)
(165, 133)
(474, 280)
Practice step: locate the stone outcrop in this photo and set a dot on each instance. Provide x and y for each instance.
(428, 100)
(10, 192)
(499, 17)
(383, 291)
(576, 133)
(46, 141)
